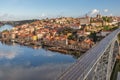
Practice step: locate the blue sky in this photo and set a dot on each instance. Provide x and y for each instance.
(29, 9)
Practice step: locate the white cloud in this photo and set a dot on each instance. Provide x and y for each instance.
(106, 10)
(43, 72)
(9, 55)
(46, 54)
(94, 11)
(43, 15)
(111, 14)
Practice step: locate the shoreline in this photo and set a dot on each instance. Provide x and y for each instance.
(38, 44)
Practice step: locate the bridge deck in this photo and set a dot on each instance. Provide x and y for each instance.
(84, 64)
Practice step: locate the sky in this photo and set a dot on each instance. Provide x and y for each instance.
(37, 9)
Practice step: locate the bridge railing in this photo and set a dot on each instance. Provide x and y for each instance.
(83, 66)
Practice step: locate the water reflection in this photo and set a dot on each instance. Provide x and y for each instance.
(45, 72)
(6, 27)
(24, 63)
(8, 55)
(75, 54)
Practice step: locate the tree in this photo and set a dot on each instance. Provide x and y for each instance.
(93, 36)
(106, 28)
(5, 30)
(72, 37)
(106, 19)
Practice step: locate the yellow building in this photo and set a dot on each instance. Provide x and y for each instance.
(69, 34)
(34, 38)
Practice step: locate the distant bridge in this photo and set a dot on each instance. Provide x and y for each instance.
(97, 63)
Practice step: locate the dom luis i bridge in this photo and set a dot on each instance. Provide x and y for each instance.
(97, 63)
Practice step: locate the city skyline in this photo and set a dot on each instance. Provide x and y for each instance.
(37, 9)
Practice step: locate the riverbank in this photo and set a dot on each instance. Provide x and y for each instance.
(56, 44)
(38, 44)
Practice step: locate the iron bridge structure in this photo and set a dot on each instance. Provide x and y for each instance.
(97, 63)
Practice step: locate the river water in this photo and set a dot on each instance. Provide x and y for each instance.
(5, 27)
(25, 63)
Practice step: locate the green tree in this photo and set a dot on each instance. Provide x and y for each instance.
(93, 36)
(72, 37)
(106, 19)
(106, 28)
(5, 30)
